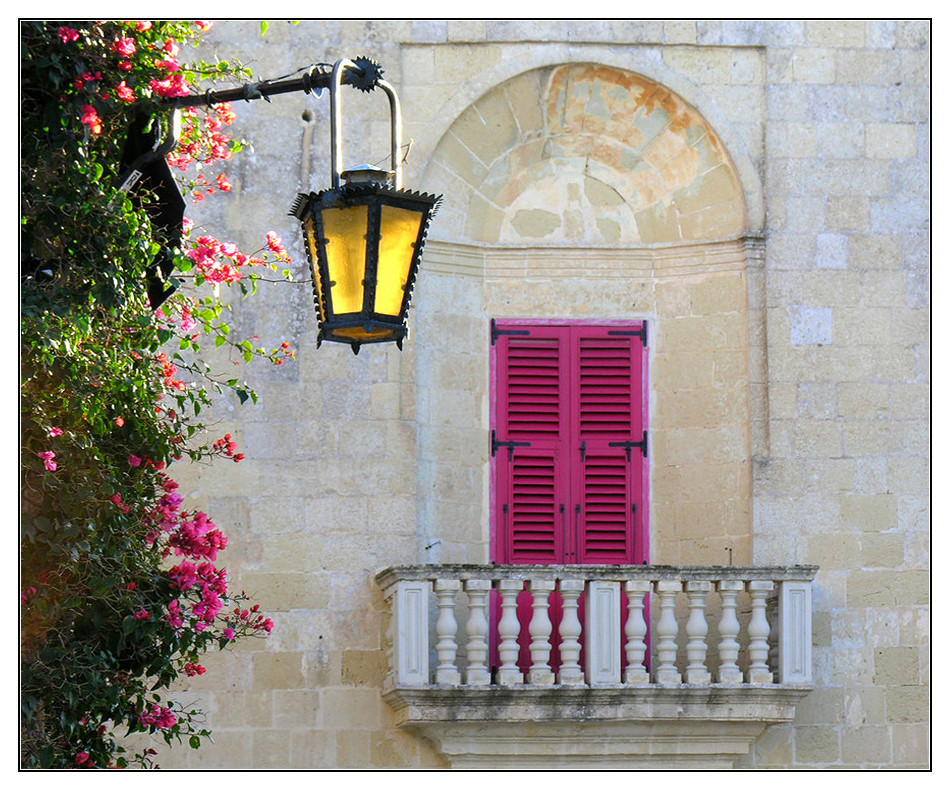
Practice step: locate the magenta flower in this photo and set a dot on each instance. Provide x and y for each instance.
(48, 462)
(67, 34)
(134, 460)
(55, 431)
(124, 92)
(124, 46)
(91, 119)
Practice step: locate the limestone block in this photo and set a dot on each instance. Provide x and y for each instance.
(278, 670)
(815, 66)
(848, 213)
(866, 746)
(815, 745)
(870, 513)
(363, 667)
(679, 31)
(836, 550)
(896, 666)
(907, 704)
(891, 140)
(836, 33)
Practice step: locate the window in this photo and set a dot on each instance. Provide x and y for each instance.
(569, 443)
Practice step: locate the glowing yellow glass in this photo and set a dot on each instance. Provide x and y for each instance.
(399, 229)
(311, 237)
(345, 231)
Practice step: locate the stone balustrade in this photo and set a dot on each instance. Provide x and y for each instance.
(455, 626)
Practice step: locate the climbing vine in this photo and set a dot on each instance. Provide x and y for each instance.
(121, 588)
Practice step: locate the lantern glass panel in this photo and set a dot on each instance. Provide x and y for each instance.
(311, 237)
(345, 232)
(398, 234)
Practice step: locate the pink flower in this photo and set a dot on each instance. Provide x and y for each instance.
(171, 86)
(67, 34)
(124, 46)
(82, 758)
(228, 633)
(134, 460)
(274, 242)
(91, 119)
(55, 431)
(142, 26)
(141, 614)
(170, 48)
(175, 615)
(158, 717)
(124, 92)
(223, 184)
(119, 421)
(203, 25)
(194, 669)
(48, 462)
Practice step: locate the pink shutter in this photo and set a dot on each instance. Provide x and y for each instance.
(528, 445)
(608, 425)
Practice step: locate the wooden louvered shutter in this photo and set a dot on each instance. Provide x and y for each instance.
(607, 426)
(529, 444)
(569, 444)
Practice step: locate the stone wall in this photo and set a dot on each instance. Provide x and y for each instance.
(758, 190)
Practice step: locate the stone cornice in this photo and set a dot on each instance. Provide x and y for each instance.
(642, 262)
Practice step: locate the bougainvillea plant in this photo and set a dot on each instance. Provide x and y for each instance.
(121, 591)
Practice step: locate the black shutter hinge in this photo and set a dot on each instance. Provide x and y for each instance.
(495, 331)
(495, 444)
(641, 332)
(629, 445)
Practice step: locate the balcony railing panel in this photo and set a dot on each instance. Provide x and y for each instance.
(642, 626)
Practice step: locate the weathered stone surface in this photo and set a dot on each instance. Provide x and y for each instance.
(757, 189)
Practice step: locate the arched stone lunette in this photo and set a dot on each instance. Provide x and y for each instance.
(585, 154)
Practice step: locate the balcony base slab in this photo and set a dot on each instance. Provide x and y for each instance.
(676, 727)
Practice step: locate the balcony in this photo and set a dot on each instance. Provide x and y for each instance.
(639, 666)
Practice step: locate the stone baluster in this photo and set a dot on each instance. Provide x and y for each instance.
(729, 672)
(759, 633)
(696, 629)
(666, 630)
(571, 673)
(508, 628)
(477, 673)
(445, 629)
(540, 630)
(635, 631)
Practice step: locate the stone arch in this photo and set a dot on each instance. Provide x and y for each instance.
(585, 154)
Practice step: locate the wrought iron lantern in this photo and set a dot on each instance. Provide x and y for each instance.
(364, 236)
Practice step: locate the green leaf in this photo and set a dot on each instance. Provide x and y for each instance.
(264, 26)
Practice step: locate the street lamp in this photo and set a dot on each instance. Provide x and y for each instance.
(364, 235)
(364, 238)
